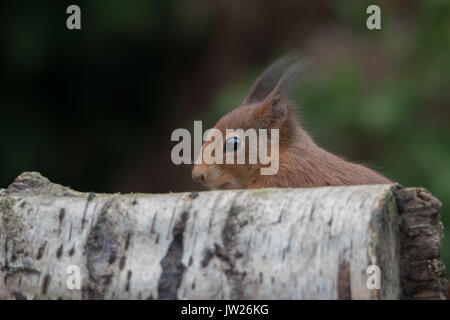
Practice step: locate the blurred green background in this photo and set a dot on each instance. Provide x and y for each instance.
(94, 108)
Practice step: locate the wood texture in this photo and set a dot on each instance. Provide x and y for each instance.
(314, 243)
(421, 231)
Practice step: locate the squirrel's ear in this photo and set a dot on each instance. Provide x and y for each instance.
(265, 83)
(273, 103)
(273, 111)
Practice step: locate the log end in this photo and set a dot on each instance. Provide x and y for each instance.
(33, 183)
(421, 231)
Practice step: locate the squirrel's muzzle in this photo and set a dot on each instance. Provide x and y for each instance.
(198, 174)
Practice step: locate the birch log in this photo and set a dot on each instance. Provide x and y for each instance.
(243, 244)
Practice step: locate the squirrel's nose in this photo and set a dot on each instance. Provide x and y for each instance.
(197, 175)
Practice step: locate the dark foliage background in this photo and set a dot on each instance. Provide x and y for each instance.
(94, 109)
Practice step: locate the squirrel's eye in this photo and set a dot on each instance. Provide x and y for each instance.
(232, 144)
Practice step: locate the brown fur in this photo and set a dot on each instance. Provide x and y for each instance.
(301, 162)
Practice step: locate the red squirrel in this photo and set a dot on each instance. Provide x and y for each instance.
(302, 163)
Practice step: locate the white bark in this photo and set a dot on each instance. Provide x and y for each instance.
(246, 244)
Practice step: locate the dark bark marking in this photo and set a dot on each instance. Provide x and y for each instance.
(101, 248)
(122, 262)
(19, 295)
(311, 212)
(228, 253)
(207, 257)
(193, 195)
(62, 214)
(127, 286)
(70, 232)
(330, 222)
(72, 251)
(344, 284)
(59, 251)
(127, 242)
(112, 257)
(152, 228)
(45, 284)
(41, 251)
(91, 196)
(172, 267)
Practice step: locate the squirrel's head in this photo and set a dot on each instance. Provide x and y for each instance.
(238, 133)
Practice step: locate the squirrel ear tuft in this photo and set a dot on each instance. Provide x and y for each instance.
(273, 111)
(272, 89)
(265, 83)
(280, 75)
